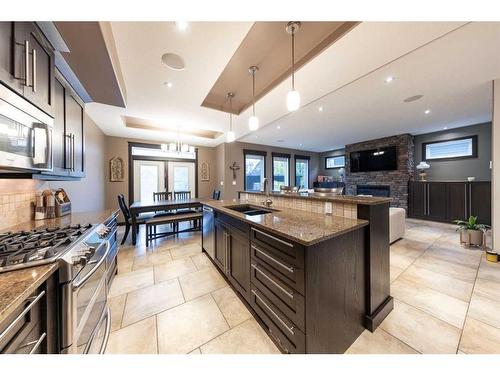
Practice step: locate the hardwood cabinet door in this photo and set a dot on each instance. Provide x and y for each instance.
(12, 52)
(456, 201)
(238, 271)
(480, 201)
(74, 132)
(40, 89)
(416, 199)
(436, 200)
(59, 140)
(220, 246)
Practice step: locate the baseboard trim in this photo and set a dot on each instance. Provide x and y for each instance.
(374, 320)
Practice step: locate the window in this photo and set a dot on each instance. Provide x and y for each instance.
(281, 171)
(255, 169)
(181, 178)
(155, 151)
(302, 172)
(458, 148)
(332, 162)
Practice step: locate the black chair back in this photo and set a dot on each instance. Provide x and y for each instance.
(182, 194)
(123, 207)
(216, 195)
(162, 196)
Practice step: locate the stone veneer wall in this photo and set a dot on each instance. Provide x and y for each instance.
(346, 210)
(397, 180)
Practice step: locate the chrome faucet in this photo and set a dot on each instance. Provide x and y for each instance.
(265, 188)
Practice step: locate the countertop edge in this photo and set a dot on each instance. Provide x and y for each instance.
(361, 223)
(360, 200)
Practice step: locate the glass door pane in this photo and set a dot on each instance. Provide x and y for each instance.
(181, 177)
(302, 174)
(149, 178)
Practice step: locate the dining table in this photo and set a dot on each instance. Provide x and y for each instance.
(140, 207)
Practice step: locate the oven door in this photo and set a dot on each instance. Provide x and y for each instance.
(25, 141)
(84, 302)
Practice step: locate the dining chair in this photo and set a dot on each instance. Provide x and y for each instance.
(162, 196)
(182, 195)
(216, 195)
(128, 217)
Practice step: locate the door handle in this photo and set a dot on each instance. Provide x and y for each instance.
(73, 151)
(26, 63)
(33, 68)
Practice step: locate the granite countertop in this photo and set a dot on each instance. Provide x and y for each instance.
(93, 217)
(306, 228)
(353, 199)
(16, 286)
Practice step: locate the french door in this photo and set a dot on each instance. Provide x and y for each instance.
(181, 176)
(149, 177)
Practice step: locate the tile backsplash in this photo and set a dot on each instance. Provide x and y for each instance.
(346, 210)
(16, 208)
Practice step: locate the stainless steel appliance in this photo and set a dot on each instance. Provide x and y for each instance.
(25, 134)
(208, 237)
(87, 263)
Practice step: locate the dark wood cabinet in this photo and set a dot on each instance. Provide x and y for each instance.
(436, 201)
(27, 63)
(238, 270)
(220, 246)
(58, 132)
(448, 201)
(74, 134)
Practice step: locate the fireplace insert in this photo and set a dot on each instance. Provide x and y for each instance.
(375, 190)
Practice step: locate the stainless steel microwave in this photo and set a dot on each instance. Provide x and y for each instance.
(25, 134)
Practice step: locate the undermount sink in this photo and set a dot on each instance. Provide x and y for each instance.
(250, 210)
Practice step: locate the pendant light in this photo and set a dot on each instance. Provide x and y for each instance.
(253, 121)
(293, 97)
(230, 136)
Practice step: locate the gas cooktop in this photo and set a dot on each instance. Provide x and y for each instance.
(37, 246)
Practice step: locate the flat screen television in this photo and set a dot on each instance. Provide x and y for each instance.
(380, 159)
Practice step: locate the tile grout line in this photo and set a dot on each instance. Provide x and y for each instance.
(400, 340)
(230, 328)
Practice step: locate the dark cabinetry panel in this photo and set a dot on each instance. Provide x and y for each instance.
(448, 201)
(12, 68)
(238, 271)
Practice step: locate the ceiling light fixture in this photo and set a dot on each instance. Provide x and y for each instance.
(293, 96)
(427, 111)
(445, 128)
(230, 136)
(320, 109)
(173, 61)
(389, 79)
(253, 121)
(181, 25)
(169, 84)
(178, 147)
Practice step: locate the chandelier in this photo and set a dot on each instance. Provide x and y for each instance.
(177, 147)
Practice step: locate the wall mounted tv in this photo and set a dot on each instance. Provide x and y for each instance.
(380, 159)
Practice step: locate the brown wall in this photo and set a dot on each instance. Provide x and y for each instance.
(116, 146)
(233, 152)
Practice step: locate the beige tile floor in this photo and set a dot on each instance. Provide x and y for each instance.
(170, 299)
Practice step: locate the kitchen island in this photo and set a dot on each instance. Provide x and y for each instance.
(308, 277)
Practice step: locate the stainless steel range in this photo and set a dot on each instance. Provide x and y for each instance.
(87, 262)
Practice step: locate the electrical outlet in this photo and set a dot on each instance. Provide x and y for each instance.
(328, 208)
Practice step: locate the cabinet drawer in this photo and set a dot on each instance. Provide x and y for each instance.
(287, 300)
(290, 252)
(19, 326)
(288, 273)
(288, 337)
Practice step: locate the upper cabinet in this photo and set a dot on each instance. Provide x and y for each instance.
(27, 63)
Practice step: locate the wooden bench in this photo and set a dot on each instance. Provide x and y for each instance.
(174, 219)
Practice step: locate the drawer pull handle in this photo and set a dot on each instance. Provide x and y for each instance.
(289, 329)
(289, 294)
(33, 302)
(37, 343)
(288, 268)
(274, 238)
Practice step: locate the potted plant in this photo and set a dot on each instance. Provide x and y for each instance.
(471, 233)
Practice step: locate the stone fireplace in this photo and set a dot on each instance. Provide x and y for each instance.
(394, 183)
(375, 190)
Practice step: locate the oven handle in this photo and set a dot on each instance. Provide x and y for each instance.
(89, 275)
(107, 332)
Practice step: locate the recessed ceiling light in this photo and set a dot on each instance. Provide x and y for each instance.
(168, 84)
(181, 25)
(320, 109)
(173, 61)
(413, 98)
(427, 111)
(389, 79)
(300, 144)
(278, 127)
(445, 128)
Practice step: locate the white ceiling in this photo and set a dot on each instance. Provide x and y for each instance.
(450, 63)
(206, 47)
